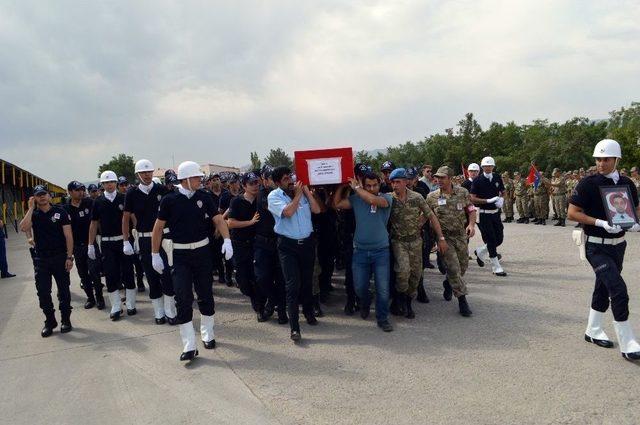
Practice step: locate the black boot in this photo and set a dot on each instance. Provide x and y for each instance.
(448, 290)
(91, 302)
(188, 356)
(99, 299)
(261, 316)
(562, 222)
(283, 319)
(410, 314)
(350, 306)
(422, 294)
(269, 309)
(317, 310)
(50, 323)
(464, 306)
(543, 222)
(525, 220)
(397, 305)
(65, 325)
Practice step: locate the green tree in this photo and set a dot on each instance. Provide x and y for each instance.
(122, 165)
(278, 157)
(256, 164)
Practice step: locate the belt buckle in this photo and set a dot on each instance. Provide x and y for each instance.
(300, 241)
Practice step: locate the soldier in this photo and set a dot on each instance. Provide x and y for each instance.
(54, 256)
(409, 211)
(520, 190)
(456, 214)
(541, 200)
(423, 190)
(559, 193)
(509, 197)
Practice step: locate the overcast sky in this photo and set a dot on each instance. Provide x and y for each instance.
(212, 81)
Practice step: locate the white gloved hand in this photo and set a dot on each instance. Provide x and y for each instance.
(91, 252)
(607, 227)
(127, 249)
(227, 249)
(500, 202)
(156, 262)
(634, 228)
(492, 200)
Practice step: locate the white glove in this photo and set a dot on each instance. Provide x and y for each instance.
(156, 262)
(634, 228)
(609, 229)
(127, 249)
(227, 249)
(500, 202)
(91, 252)
(492, 200)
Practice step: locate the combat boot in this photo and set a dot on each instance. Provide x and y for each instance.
(317, 310)
(448, 290)
(397, 307)
(543, 222)
(350, 306)
(50, 323)
(525, 220)
(410, 314)
(422, 294)
(283, 319)
(465, 311)
(65, 325)
(99, 299)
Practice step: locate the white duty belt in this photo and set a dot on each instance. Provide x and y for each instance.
(605, 241)
(488, 211)
(112, 238)
(193, 245)
(149, 234)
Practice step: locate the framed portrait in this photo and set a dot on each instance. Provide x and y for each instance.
(618, 206)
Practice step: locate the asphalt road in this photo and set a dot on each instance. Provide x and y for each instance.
(521, 358)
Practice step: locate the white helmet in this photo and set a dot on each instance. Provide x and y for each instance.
(473, 167)
(607, 148)
(189, 169)
(108, 176)
(143, 165)
(156, 180)
(488, 161)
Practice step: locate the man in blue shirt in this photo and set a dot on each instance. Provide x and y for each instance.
(291, 206)
(371, 243)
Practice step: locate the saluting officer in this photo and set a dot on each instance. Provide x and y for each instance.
(188, 212)
(107, 213)
(605, 247)
(54, 256)
(79, 210)
(141, 203)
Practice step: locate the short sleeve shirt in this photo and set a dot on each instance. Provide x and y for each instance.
(225, 201)
(80, 220)
(371, 223)
(188, 218)
(405, 216)
(108, 214)
(48, 232)
(242, 210)
(484, 188)
(264, 227)
(144, 206)
(299, 225)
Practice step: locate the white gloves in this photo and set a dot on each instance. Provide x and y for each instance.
(227, 249)
(127, 249)
(492, 200)
(634, 228)
(500, 202)
(609, 229)
(156, 262)
(91, 252)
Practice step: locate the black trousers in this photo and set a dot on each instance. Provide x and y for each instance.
(90, 281)
(269, 278)
(606, 261)
(492, 231)
(95, 266)
(327, 244)
(243, 256)
(118, 268)
(138, 268)
(348, 270)
(159, 285)
(297, 258)
(217, 256)
(192, 270)
(46, 269)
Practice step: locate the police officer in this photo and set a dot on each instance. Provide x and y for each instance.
(472, 170)
(386, 169)
(93, 191)
(107, 214)
(123, 187)
(486, 192)
(188, 212)
(79, 210)
(605, 248)
(54, 256)
(509, 197)
(233, 190)
(141, 205)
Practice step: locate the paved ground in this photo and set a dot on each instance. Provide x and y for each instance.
(520, 359)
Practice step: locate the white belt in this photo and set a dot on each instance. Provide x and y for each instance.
(145, 234)
(194, 245)
(112, 238)
(605, 241)
(488, 211)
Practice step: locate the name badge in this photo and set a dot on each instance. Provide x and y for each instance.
(459, 206)
(442, 201)
(81, 213)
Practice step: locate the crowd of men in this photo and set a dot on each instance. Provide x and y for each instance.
(281, 240)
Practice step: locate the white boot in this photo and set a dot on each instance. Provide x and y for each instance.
(169, 308)
(206, 331)
(595, 333)
(188, 335)
(158, 309)
(131, 301)
(114, 299)
(629, 347)
(481, 255)
(496, 267)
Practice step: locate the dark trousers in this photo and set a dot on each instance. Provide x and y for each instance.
(90, 281)
(192, 270)
(47, 268)
(492, 231)
(4, 267)
(217, 256)
(118, 268)
(427, 243)
(326, 259)
(95, 266)
(269, 278)
(348, 271)
(297, 258)
(245, 274)
(158, 284)
(606, 261)
(138, 268)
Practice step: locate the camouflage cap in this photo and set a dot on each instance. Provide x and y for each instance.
(444, 171)
(634, 169)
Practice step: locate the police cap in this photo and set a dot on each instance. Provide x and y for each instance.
(387, 166)
(75, 185)
(40, 190)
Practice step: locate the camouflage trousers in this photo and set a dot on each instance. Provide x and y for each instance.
(507, 208)
(522, 204)
(457, 261)
(541, 204)
(560, 205)
(408, 265)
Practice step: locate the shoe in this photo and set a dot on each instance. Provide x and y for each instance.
(447, 294)
(295, 336)
(49, 325)
(115, 316)
(7, 275)
(261, 316)
(89, 304)
(311, 319)
(188, 356)
(161, 321)
(520, 220)
(209, 345)
(496, 268)
(283, 319)
(99, 301)
(410, 314)
(172, 320)
(599, 342)
(563, 222)
(629, 347)
(131, 311)
(269, 309)
(465, 311)
(525, 221)
(350, 307)
(65, 324)
(429, 265)
(317, 310)
(499, 256)
(397, 307)
(595, 334)
(364, 311)
(385, 326)
(422, 294)
(481, 255)
(543, 222)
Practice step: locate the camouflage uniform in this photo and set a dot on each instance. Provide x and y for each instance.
(406, 242)
(559, 193)
(532, 208)
(453, 221)
(508, 196)
(541, 199)
(522, 198)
